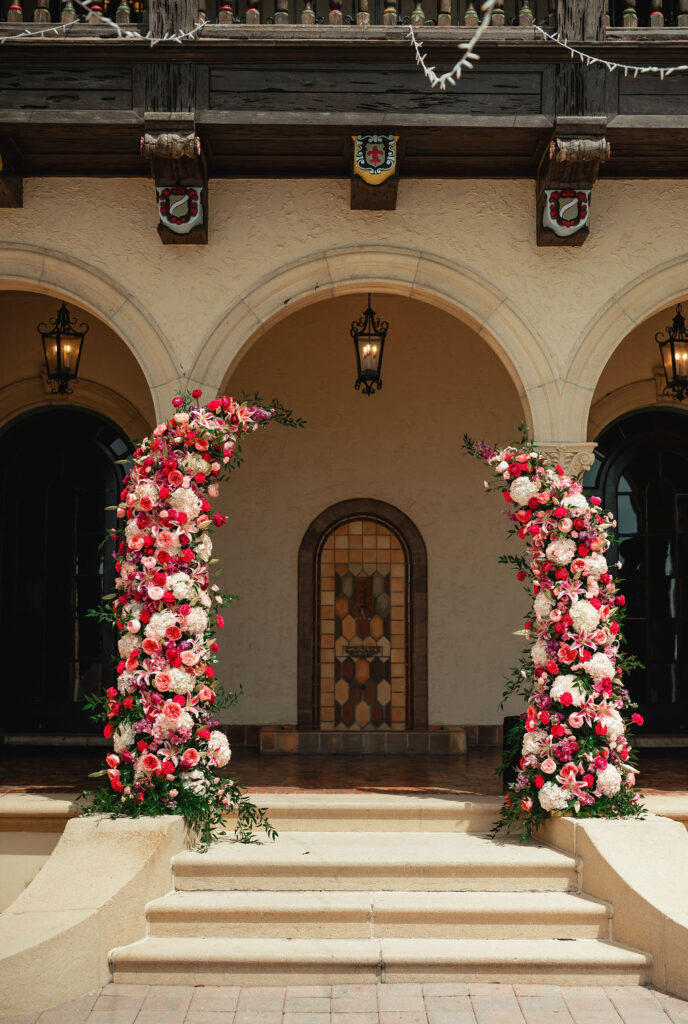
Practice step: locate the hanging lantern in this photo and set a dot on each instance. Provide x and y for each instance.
(674, 350)
(62, 346)
(369, 333)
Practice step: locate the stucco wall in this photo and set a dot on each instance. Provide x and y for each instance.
(401, 445)
(557, 298)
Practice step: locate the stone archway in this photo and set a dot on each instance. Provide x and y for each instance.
(455, 289)
(413, 606)
(46, 271)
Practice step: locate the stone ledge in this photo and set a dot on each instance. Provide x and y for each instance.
(288, 740)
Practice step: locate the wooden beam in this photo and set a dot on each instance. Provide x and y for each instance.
(11, 179)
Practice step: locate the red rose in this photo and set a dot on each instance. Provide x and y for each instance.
(560, 512)
(219, 519)
(594, 500)
(178, 699)
(177, 402)
(187, 555)
(507, 497)
(561, 573)
(128, 703)
(196, 392)
(210, 671)
(557, 731)
(589, 780)
(214, 405)
(614, 628)
(566, 699)
(141, 746)
(583, 550)
(108, 730)
(203, 734)
(167, 768)
(552, 668)
(544, 717)
(520, 576)
(539, 781)
(621, 600)
(637, 719)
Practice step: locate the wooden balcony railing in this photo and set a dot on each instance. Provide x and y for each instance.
(641, 14)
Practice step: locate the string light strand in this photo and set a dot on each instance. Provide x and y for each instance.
(466, 62)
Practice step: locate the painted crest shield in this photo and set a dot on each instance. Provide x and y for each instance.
(375, 157)
(180, 208)
(566, 210)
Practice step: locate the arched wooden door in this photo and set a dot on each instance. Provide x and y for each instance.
(641, 473)
(59, 468)
(363, 620)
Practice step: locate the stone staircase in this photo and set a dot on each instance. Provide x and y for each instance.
(378, 888)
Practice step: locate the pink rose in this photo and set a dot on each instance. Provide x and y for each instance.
(156, 593)
(190, 758)
(175, 478)
(549, 766)
(575, 720)
(137, 542)
(148, 563)
(565, 525)
(189, 658)
(133, 625)
(112, 760)
(171, 710)
(164, 539)
(150, 645)
(149, 763)
(213, 490)
(160, 430)
(206, 694)
(162, 681)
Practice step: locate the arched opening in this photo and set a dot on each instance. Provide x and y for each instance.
(60, 470)
(641, 473)
(362, 620)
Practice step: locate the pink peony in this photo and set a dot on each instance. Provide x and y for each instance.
(190, 758)
(149, 763)
(162, 681)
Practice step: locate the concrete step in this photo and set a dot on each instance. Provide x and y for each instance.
(339, 915)
(253, 961)
(377, 861)
(378, 812)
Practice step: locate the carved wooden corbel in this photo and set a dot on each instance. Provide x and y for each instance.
(11, 180)
(567, 172)
(181, 178)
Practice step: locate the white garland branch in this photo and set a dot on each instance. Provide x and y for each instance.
(466, 62)
(588, 59)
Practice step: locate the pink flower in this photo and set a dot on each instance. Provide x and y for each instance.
(149, 763)
(162, 681)
(148, 562)
(190, 658)
(112, 760)
(150, 645)
(575, 720)
(190, 758)
(137, 542)
(175, 478)
(133, 625)
(160, 430)
(177, 402)
(172, 710)
(164, 539)
(156, 593)
(549, 766)
(206, 694)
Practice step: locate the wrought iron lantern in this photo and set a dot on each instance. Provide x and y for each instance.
(62, 346)
(369, 333)
(674, 350)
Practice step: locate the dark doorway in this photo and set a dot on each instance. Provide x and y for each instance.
(641, 474)
(59, 473)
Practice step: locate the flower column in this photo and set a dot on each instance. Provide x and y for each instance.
(574, 750)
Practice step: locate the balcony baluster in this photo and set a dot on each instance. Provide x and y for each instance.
(470, 18)
(281, 12)
(390, 15)
(253, 13)
(682, 19)
(525, 15)
(630, 15)
(497, 19)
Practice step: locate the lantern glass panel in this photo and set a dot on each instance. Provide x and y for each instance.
(369, 352)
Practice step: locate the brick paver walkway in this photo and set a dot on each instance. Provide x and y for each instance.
(367, 1004)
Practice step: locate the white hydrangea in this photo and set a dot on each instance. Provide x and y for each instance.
(613, 721)
(204, 548)
(125, 683)
(553, 797)
(181, 681)
(599, 667)
(194, 780)
(534, 742)
(123, 737)
(584, 616)
(159, 622)
(595, 564)
(567, 684)
(126, 644)
(523, 489)
(609, 781)
(561, 551)
(186, 500)
(218, 749)
(575, 501)
(181, 586)
(163, 725)
(193, 464)
(543, 604)
(196, 621)
(538, 654)
(132, 528)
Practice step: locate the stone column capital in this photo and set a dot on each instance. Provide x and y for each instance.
(573, 456)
